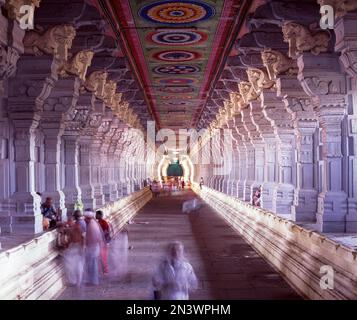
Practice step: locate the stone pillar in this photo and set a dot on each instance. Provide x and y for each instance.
(52, 143)
(27, 217)
(323, 81)
(346, 44)
(85, 174)
(305, 124)
(275, 112)
(71, 189)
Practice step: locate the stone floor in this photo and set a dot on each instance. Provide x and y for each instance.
(227, 267)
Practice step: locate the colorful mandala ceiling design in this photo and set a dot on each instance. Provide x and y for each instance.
(176, 69)
(176, 81)
(177, 12)
(176, 49)
(177, 89)
(177, 37)
(177, 55)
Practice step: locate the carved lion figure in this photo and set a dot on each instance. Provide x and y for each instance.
(109, 92)
(278, 63)
(259, 80)
(96, 82)
(78, 65)
(56, 41)
(247, 92)
(301, 39)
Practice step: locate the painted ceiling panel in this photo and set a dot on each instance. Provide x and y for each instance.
(177, 47)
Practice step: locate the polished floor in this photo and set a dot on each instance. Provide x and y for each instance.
(227, 267)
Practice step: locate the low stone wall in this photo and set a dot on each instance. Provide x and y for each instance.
(33, 270)
(296, 252)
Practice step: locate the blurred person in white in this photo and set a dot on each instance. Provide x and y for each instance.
(174, 277)
(94, 241)
(74, 254)
(118, 255)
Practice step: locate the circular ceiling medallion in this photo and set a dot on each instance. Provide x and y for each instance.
(176, 81)
(176, 69)
(176, 97)
(177, 103)
(177, 12)
(177, 37)
(177, 55)
(177, 89)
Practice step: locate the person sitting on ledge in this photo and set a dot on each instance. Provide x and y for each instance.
(256, 197)
(49, 214)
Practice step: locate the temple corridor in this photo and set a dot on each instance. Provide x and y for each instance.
(226, 266)
(106, 106)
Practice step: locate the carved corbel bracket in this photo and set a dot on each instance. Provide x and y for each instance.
(259, 80)
(301, 39)
(56, 41)
(247, 92)
(78, 65)
(278, 63)
(109, 92)
(95, 83)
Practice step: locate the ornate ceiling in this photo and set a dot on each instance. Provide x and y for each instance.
(177, 50)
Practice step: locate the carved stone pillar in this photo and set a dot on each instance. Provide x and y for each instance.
(27, 217)
(71, 189)
(324, 82)
(275, 112)
(305, 124)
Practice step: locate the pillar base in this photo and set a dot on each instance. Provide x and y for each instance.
(305, 206)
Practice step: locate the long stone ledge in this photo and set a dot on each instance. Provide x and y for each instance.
(297, 253)
(33, 270)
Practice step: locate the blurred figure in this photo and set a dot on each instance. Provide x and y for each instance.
(183, 184)
(155, 188)
(201, 183)
(106, 232)
(94, 242)
(49, 214)
(74, 255)
(256, 197)
(174, 277)
(118, 254)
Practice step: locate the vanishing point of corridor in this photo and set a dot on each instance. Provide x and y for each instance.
(226, 266)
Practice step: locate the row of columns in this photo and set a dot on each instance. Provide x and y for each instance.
(65, 134)
(292, 127)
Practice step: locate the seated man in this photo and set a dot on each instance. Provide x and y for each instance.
(49, 214)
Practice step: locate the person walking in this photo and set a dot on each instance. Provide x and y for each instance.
(174, 277)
